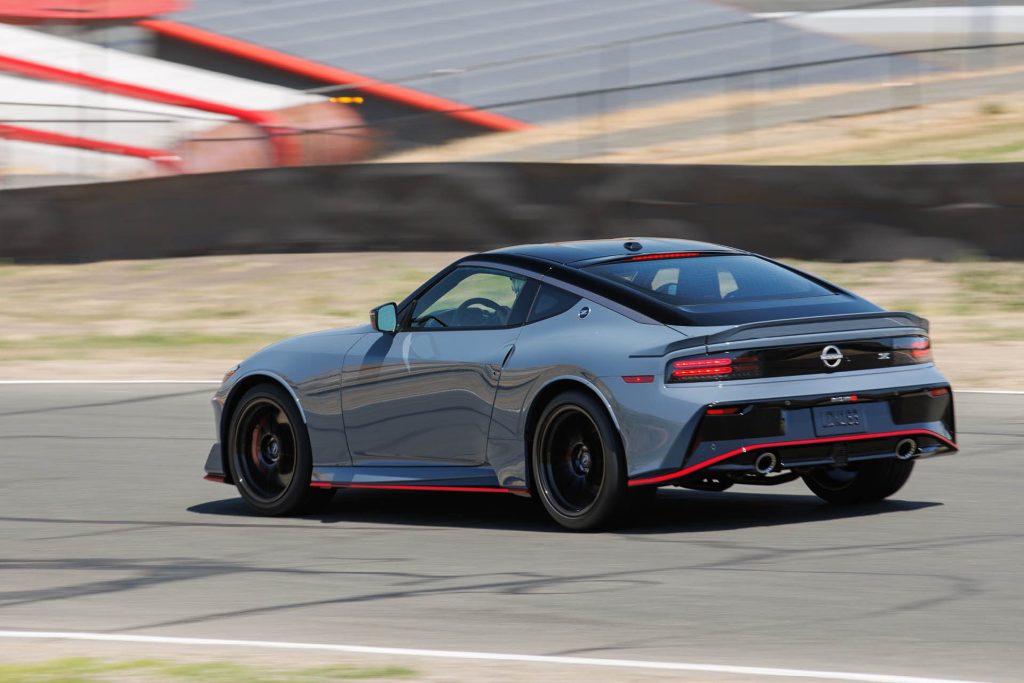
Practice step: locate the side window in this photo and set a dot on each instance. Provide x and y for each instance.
(469, 298)
(550, 302)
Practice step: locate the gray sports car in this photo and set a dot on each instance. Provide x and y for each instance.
(587, 374)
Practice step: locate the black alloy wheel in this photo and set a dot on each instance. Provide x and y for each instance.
(577, 462)
(269, 454)
(862, 482)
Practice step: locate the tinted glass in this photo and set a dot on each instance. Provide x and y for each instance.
(711, 279)
(550, 302)
(469, 298)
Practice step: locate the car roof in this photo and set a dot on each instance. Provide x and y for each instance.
(587, 250)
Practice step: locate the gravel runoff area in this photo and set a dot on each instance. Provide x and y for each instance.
(192, 318)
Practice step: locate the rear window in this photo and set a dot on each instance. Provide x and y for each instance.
(698, 280)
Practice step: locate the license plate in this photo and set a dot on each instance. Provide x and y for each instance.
(844, 419)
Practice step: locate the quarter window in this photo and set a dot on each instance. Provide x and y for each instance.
(550, 302)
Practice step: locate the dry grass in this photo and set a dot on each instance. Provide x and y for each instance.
(977, 130)
(973, 129)
(90, 670)
(195, 317)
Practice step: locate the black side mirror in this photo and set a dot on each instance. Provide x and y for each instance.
(385, 318)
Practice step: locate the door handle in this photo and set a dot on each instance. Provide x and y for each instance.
(508, 354)
(496, 368)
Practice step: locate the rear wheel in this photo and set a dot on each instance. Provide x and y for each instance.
(862, 482)
(270, 456)
(577, 462)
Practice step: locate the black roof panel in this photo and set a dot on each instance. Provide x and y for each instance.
(573, 252)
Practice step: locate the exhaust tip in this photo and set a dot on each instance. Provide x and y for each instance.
(766, 463)
(906, 449)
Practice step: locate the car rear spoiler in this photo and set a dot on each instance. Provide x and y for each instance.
(848, 322)
(888, 322)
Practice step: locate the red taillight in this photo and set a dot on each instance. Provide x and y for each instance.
(701, 368)
(742, 366)
(638, 379)
(702, 372)
(941, 391)
(655, 257)
(702, 363)
(912, 350)
(722, 411)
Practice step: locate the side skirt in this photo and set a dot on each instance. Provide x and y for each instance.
(462, 479)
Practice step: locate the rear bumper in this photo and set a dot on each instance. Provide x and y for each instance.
(784, 424)
(794, 455)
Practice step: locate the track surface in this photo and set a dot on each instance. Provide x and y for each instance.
(105, 525)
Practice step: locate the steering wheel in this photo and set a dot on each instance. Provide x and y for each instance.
(460, 312)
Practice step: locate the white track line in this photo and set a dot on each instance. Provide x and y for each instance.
(479, 656)
(986, 391)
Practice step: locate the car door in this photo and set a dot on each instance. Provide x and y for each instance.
(423, 395)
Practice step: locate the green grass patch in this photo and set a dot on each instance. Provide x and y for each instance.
(1001, 288)
(87, 670)
(989, 152)
(992, 108)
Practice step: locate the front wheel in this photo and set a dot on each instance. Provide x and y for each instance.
(863, 482)
(577, 461)
(270, 456)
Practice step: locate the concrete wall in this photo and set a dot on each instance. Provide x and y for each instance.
(840, 213)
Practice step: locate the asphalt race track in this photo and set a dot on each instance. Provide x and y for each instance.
(106, 526)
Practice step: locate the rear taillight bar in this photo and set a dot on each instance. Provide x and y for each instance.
(803, 359)
(911, 350)
(712, 368)
(699, 368)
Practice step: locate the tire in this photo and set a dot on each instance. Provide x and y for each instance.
(577, 462)
(864, 482)
(269, 454)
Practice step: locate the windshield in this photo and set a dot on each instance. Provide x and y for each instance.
(724, 278)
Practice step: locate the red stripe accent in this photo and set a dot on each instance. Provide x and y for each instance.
(218, 478)
(778, 444)
(330, 74)
(413, 487)
(285, 146)
(44, 137)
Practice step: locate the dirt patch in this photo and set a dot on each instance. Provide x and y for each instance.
(193, 318)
